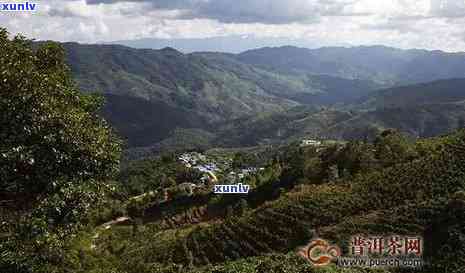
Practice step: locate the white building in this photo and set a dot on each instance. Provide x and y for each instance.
(310, 142)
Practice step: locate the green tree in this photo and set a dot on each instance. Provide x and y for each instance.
(392, 147)
(356, 157)
(48, 130)
(54, 153)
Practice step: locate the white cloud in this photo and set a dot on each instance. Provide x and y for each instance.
(448, 8)
(432, 24)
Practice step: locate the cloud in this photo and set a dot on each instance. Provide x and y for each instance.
(448, 8)
(430, 24)
(390, 24)
(65, 12)
(251, 11)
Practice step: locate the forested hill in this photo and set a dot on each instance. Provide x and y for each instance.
(437, 92)
(150, 93)
(390, 66)
(419, 110)
(257, 96)
(217, 86)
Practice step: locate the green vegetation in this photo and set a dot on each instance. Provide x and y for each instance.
(66, 206)
(152, 175)
(151, 93)
(416, 192)
(379, 64)
(163, 99)
(55, 156)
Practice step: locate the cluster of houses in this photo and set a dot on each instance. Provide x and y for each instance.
(241, 174)
(210, 170)
(192, 159)
(310, 142)
(199, 162)
(210, 167)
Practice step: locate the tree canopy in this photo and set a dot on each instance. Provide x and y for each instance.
(49, 131)
(56, 155)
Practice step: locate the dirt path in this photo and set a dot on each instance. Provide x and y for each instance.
(106, 226)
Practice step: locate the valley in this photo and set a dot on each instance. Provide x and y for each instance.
(123, 160)
(267, 96)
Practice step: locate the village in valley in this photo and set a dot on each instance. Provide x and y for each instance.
(212, 169)
(216, 169)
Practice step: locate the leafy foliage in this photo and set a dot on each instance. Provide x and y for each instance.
(54, 153)
(156, 174)
(48, 130)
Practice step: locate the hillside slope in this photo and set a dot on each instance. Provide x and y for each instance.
(423, 195)
(258, 96)
(145, 122)
(389, 66)
(416, 121)
(419, 110)
(193, 90)
(217, 86)
(436, 92)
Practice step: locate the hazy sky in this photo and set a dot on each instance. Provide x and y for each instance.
(431, 24)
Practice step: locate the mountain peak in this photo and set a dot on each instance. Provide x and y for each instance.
(171, 49)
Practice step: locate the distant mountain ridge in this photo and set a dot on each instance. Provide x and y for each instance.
(257, 96)
(436, 92)
(419, 110)
(212, 87)
(385, 65)
(227, 44)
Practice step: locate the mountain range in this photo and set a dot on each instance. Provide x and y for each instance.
(271, 94)
(229, 44)
(389, 66)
